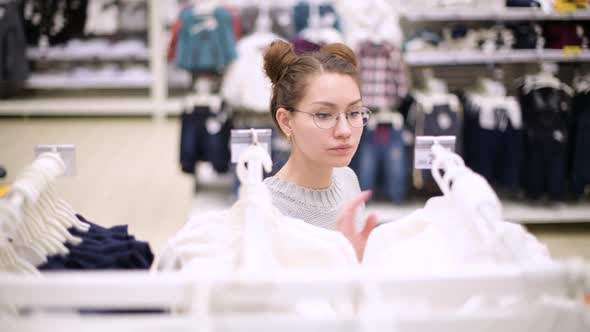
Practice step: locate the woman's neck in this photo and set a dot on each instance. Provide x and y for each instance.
(306, 174)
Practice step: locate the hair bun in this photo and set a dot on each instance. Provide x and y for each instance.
(277, 58)
(340, 50)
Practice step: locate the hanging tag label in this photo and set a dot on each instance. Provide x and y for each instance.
(67, 152)
(423, 155)
(242, 138)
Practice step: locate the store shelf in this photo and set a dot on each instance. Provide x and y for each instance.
(442, 57)
(87, 106)
(64, 56)
(413, 14)
(72, 84)
(517, 212)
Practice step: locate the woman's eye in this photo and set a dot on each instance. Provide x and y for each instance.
(323, 116)
(354, 114)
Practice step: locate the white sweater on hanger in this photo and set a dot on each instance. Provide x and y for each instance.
(245, 84)
(436, 238)
(214, 240)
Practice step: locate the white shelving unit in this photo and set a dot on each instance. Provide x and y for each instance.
(156, 104)
(442, 57)
(414, 14)
(62, 55)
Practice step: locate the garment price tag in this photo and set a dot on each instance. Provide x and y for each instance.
(67, 152)
(241, 139)
(423, 155)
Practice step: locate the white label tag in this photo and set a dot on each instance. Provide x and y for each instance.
(67, 152)
(423, 156)
(237, 149)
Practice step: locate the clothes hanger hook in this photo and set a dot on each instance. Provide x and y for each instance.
(254, 136)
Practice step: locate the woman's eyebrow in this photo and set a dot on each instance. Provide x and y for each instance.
(327, 103)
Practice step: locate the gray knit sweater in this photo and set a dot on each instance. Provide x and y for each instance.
(318, 207)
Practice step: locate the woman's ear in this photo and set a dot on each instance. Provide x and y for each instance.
(283, 117)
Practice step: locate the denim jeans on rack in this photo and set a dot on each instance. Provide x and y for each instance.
(383, 148)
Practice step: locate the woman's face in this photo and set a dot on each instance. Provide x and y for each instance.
(327, 93)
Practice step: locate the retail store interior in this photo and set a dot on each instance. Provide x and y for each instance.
(142, 115)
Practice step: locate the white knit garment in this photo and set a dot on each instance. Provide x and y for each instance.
(435, 239)
(214, 241)
(318, 207)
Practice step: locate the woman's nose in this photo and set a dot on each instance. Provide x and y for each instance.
(342, 128)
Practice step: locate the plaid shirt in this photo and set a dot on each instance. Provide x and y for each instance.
(383, 78)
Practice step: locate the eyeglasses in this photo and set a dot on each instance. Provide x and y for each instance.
(328, 120)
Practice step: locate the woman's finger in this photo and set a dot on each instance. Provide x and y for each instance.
(353, 204)
(369, 225)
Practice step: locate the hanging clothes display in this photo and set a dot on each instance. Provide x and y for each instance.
(14, 68)
(545, 104)
(54, 21)
(374, 20)
(559, 35)
(281, 21)
(462, 227)
(102, 17)
(383, 77)
(245, 85)
(381, 158)
(42, 232)
(204, 136)
(580, 137)
(302, 13)
(434, 114)
(133, 16)
(493, 138)
(217, 241)
(203, 43)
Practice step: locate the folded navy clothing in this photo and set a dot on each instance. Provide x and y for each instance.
(103, 249)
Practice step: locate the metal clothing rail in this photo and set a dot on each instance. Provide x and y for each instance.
(205, 302)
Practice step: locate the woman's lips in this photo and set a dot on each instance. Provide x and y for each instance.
(341, 149)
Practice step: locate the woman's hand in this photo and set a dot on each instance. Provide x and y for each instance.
(345, 223)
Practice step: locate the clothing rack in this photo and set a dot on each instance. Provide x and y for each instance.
(519, 297)
(192, 297)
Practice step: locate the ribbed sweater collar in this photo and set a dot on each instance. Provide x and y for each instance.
(328, 198)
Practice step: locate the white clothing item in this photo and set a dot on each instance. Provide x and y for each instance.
(214, 241)
(374, 20)
(102, 17)
(427, 101)
(135, 76)
(83, 49)
(438, 238)
(48, 80)
(131, 48)
(245, 84)
(133, 16)
(487, 106)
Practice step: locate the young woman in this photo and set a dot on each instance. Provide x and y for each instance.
(316, 103)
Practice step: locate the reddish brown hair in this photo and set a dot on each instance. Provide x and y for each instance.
(289, 72)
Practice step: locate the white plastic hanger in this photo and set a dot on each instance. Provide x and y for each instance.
(48, 209)
(39, 184)
(33, 220)
(54, 164)
(18, 234)
(255, 241)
